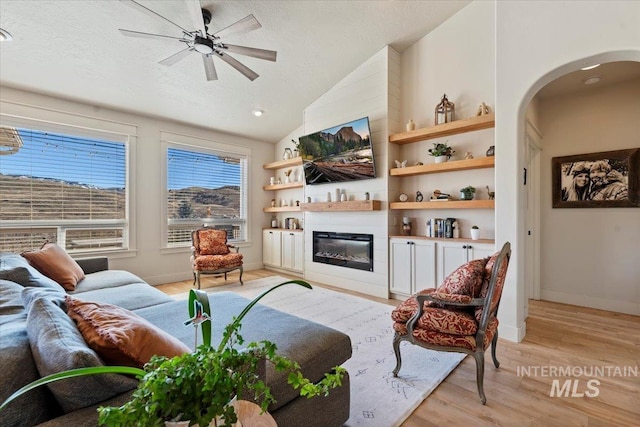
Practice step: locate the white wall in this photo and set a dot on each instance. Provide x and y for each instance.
(148, 260)
(535, 44)
(362, 93)
(457, 58)
(590, 257)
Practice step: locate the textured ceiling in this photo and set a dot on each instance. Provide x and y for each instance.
(73, 49)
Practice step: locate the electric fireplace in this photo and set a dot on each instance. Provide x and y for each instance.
(343, 249)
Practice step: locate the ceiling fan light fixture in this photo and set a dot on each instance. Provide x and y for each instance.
(257, 112)
(204, 46)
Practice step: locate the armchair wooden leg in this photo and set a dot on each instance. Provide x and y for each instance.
(225, 276)
(396, 350)
(480, 375)
(198, 278)
(241, 271)
(494, 342)
(194, 278)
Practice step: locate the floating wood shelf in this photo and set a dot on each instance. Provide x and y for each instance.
(351, 205)
(282, 209)
(457, 165)
(275, 187)
(454, 204)
(453, 128)
(296, 161)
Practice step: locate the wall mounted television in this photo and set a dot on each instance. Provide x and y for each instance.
(338, 154)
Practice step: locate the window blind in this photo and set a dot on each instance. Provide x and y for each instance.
(63, 181)
(205, 187)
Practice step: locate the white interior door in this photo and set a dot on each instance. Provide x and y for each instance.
(532, 151)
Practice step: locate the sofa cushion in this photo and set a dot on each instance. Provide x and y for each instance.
(106, 279)
(57, 346)
(52, 261)
(132, 297)
(18, 366)
(15, 268)
(119, 336)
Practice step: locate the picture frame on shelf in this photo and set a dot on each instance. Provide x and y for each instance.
(608, 179)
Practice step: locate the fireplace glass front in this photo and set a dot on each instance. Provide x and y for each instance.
(343, 249)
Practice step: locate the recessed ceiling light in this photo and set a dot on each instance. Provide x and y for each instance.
(257, 113)
(592, 80)
(5, 35)
(590, 67)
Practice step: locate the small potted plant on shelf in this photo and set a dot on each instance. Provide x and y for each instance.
(199, 387)
(441, 151)
(467, 192)
(475, 232)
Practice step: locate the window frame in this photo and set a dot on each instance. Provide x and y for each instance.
(49, 120)
(206, 146)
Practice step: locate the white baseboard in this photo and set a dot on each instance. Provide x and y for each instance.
(351, 285)
(626, 307)
(512, 333)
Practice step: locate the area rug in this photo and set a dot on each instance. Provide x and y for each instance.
(377, 398)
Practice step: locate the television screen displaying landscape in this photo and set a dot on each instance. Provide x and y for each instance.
(338, 154)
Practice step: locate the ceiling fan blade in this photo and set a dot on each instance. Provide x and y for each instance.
(130, 33)
(176, 57)
(268, 55)
(209, 68)
(246, 24)
(150, 12)
(246, 71)
(195, 10)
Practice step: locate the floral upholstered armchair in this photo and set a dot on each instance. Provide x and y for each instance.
(460, 315)
(212, 255)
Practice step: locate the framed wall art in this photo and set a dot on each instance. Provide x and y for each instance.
(610, 179)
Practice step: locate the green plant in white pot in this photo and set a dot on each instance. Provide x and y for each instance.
(475, 232)
(441, 151)
(199, 386)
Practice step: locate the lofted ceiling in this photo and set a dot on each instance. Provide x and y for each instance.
(73, 49)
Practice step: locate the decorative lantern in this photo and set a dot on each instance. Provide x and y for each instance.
(444, 111)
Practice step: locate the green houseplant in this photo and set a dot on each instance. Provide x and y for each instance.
(441, 151)
(198, 386)
(467, 192)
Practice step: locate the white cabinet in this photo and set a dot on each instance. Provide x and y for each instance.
(283, 249)
(292, 250)
(452, 255)
(413, 265)
(272, 248)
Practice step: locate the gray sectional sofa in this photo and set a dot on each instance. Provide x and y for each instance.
(35, 332)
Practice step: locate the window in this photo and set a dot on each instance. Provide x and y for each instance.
(65, 188)
(205, 187)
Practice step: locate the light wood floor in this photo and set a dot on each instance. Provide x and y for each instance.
(559, 336)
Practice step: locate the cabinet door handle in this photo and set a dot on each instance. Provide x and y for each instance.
(464, 246)
(469, 247)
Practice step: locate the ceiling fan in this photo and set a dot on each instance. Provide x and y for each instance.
(208, 45)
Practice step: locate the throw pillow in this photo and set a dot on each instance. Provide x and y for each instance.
(119, 336)
(212, 242)
(52, 261)
(15, 268)
(56, 346)
(465, 280)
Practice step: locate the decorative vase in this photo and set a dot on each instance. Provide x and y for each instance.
(411, 125)
(176, 423)
(441, 159)
(287, 154)
(475, 233)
